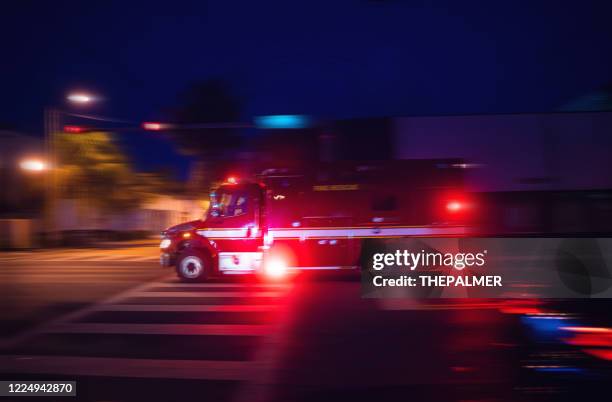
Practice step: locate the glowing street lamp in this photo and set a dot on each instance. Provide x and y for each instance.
(80, 98)
(33, 165)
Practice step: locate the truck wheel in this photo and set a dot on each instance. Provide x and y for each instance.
(193, 266)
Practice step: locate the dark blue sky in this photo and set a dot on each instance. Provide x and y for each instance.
(325, 58)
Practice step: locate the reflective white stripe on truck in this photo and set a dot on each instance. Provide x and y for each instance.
(223, 233)
(366, 232)
(340, 232)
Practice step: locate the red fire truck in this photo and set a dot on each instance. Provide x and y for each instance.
(284, 219)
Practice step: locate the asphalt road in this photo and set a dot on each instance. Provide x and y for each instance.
(126, 330)
(38, 285)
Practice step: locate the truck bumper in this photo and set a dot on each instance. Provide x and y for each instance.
(240, 262)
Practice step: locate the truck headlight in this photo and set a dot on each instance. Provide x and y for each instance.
(165, 243)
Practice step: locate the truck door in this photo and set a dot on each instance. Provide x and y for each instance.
(233, 224)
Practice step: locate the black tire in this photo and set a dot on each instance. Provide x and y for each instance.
(193, 266)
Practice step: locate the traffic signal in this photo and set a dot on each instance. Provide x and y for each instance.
(74, 129)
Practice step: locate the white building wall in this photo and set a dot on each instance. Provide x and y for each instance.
(154, 216)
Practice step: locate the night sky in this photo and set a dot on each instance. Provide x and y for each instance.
(323, 58)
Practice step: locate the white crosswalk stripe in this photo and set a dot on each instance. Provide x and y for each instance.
(225, 308)
(161, 329)
(127, 303)
(245, 293)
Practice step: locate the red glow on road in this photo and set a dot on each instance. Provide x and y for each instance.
(521, 310)
(605, 354)
(599, 338)
(590, 340)
(528, 307)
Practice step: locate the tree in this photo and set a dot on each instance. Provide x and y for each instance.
(206, 102)
(92, 168)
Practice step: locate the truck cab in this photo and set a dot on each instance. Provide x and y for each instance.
(227, 240)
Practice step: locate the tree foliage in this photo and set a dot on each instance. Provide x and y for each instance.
(206, 102)
(92, 167)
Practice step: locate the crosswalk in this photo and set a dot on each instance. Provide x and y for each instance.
(163, 329)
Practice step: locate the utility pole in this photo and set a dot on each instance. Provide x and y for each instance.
(52, 128)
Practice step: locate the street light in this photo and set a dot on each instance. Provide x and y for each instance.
(80, 97)
(33, 165)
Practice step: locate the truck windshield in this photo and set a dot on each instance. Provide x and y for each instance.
(228, 204)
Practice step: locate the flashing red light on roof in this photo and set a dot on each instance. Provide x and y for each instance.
(231, 180)
(74, 129)
(153, 126)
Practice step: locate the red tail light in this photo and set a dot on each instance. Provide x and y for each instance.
(454, 207)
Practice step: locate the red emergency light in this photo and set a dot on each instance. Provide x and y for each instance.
(275, 268)
(231, 180)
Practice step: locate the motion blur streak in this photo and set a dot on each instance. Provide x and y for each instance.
(587, 329)
(605, 354)
(590, 340)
